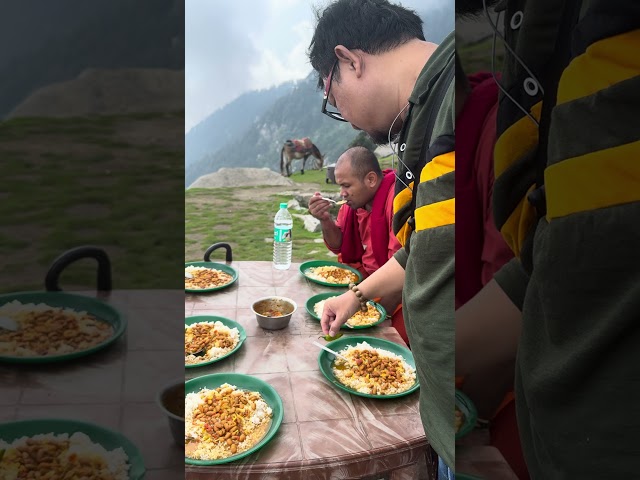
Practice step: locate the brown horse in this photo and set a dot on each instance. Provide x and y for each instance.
(296, 149)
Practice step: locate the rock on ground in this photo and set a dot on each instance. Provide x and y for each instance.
(311, 224)
(241, 177)
(103, 91)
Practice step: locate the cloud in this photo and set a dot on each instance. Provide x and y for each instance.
(218, 53)
(273, 68)
(234, 47)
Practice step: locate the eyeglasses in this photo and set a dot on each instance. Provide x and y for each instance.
(336, 115)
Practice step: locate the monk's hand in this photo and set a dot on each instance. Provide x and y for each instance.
(336, 312)
(319, 207)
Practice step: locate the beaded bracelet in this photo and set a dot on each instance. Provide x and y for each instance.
(363, 301)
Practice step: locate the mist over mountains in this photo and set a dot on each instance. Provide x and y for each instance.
(229, 121)
(250, 131)
(294, 112)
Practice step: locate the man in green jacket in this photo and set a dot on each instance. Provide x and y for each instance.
(567, 200)
(379, 74)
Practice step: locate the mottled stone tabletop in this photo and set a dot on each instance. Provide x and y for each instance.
(326, 432)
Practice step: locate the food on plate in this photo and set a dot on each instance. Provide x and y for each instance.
(373, 370)
(204, 278)
(213, 339)
(459, 419)
(61, 456)
(224, 421)
(359, 319)
(330, 274)
(44, 330)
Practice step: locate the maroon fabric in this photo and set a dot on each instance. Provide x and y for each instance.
(351, 249)
(469, 214)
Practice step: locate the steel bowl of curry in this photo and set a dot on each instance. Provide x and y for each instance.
(274, 313)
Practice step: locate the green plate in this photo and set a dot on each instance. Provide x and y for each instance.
(226, 322)
(95, 307)
(325, 361)
(304, 269)
(323, 296)
(218, 266)
(244, 382)
(468, 409)
(107, 438)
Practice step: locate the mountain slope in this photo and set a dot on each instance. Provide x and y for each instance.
(294, 115)
(224, 124)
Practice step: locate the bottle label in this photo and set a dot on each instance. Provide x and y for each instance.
(281, 234)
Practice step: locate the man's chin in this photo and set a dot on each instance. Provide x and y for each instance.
(379, 138)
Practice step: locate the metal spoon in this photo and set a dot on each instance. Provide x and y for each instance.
(331, 351)
(339, 202)
(8, 324)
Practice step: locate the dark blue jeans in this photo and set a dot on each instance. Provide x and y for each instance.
(444, 472)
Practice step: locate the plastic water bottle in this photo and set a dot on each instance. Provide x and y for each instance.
(282, 244)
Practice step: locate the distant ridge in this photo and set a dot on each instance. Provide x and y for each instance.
(212, 133)
(100, 91)
(294, 115)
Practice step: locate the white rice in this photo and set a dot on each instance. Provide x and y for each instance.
(214, 352)
(326, 274)
(79, 444)
(14, 308)
(359, 384)
(22, 312)
(211, 449)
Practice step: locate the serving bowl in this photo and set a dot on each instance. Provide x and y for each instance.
(274, 313)
(170, 399)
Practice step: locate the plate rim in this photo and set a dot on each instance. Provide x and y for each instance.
(380, 308)
(241, 331)
(302, 267)
(267, 437)
(359, 338)
(119, 329)
(223, 266)
(471, 414)
(127, 445)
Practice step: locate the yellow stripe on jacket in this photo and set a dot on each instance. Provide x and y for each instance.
(440, 213)
(609, 176)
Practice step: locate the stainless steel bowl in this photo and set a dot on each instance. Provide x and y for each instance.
(265, 307)
(171, 400)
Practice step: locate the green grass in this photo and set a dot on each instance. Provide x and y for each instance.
(212, 215)
(76, 181)
(216, 215)
(315, 176)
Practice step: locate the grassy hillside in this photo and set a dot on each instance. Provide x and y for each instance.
(110, 181)
(243, 217)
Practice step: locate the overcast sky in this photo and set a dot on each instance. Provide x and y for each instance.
(238, 46)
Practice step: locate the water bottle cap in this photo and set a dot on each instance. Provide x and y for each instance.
(283, 205)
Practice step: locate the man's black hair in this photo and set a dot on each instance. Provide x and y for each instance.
(373, 26)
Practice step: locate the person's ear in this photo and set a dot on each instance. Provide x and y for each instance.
(350, 59)
(371, 179)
